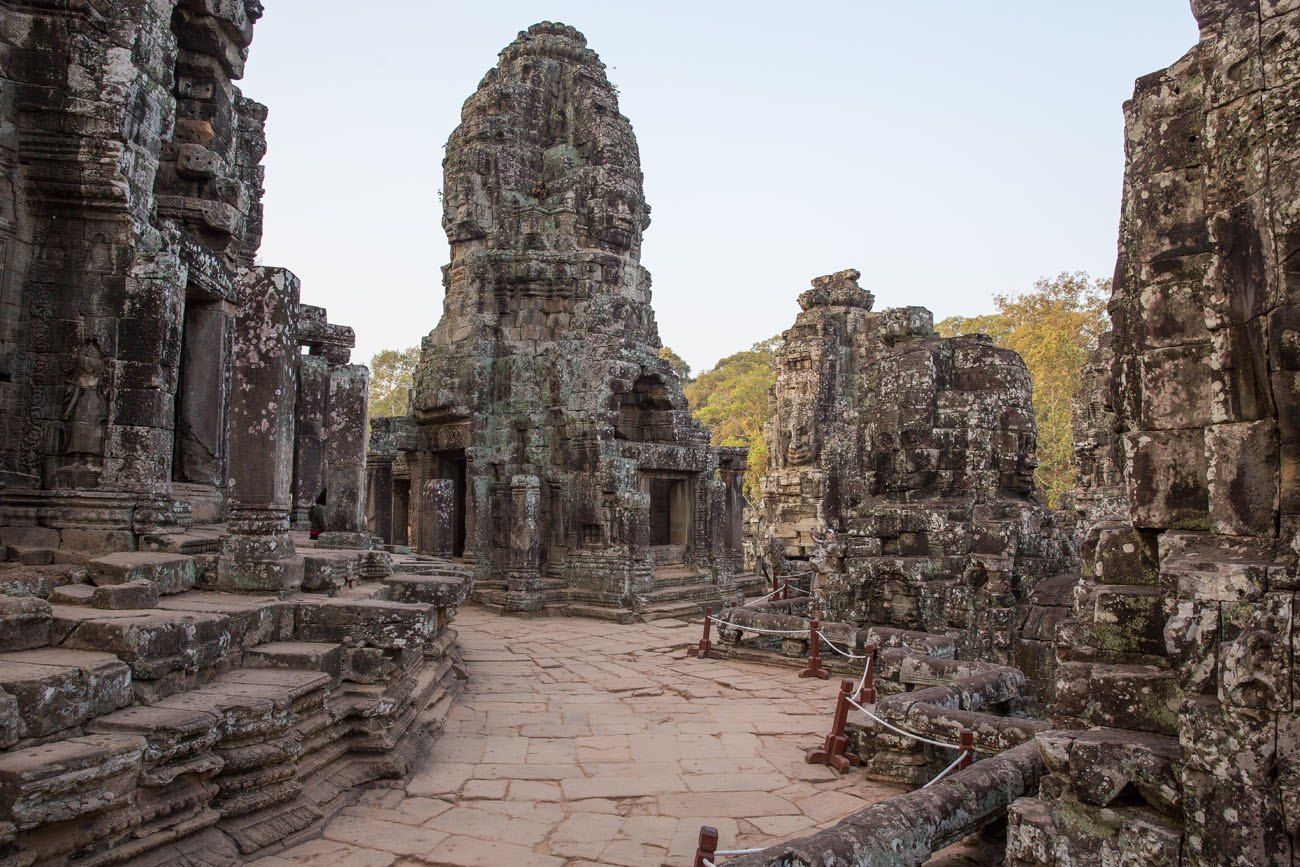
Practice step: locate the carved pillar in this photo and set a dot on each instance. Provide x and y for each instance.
(345, 448)
(437, 517)
(523, 574)
(258, 555)
(309, 435)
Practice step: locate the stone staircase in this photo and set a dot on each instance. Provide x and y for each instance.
(147, 720)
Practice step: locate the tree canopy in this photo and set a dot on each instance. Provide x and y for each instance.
(731, 400)
(677, 363)
(1054, 327)
(392, 375)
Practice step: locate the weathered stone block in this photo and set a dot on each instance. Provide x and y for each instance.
(57, 689)
(1242, 473)
(24, 623)
(171, 573)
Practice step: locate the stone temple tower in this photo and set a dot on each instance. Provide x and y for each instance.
(548, 442)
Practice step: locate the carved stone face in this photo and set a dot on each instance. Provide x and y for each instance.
(800, 450)
(1017, 465)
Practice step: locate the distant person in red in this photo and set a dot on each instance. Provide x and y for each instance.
(316, 516)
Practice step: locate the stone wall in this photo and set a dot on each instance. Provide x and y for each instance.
(544, 374)
(918, 452)
(1177, 664)
(130, 216)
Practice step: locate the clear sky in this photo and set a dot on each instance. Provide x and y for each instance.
(948, 149)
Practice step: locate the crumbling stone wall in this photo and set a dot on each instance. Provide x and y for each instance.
(130, 216)
(541, 393)
(918, 451)
(1177, 660)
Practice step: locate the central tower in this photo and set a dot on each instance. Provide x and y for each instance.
(576, 469)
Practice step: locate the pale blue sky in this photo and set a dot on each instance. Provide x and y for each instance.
(948, 149)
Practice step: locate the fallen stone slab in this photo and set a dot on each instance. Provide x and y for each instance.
(172, 573)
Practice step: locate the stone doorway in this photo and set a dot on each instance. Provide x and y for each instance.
(453, 465)
(401, 511)
(198, 438)
(670, 511)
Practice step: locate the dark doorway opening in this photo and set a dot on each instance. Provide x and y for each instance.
(401, 511)
(198, 433)
(452, 465)
(670, 510)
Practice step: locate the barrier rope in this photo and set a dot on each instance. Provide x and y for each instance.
(728, 853)
(904, 732)
(843, 653)
(948, 770)
(756, 629)
(866, 670)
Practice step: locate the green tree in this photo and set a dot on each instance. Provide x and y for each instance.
(731, 400)
(1054, 327)
(392, 375)
(677, 363)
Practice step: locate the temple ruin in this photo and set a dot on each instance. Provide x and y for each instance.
(542, 414)
(917, 452)
(183, 678)
(188, 676)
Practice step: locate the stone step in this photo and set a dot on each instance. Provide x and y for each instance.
(24, 622)
(29, 556)
(330, 571)
(57, 689)
(680, 593)
(195, 540)
(172, 573)
(362, 622)
(598, 612)
(318, 656)
(439, 591)
(91, 775)
(114, 597)
(674, 610)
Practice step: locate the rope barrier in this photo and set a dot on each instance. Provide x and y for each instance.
(760, 631)
(904, 732)
(836, 649)
(866, 670)
(948, 770)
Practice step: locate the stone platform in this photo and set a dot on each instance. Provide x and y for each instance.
(582, 743)
(147, 718)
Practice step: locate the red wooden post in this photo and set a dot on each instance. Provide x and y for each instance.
(705, 650)
(867, 695)
(814, 668)
(834, 750)
(968, 749)
(708, 846)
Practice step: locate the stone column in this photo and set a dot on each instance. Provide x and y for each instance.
(345, 449)
(437, 517)
(309, 435)
(523, 575)
(258, 555)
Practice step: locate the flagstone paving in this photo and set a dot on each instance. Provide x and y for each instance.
(580, 742)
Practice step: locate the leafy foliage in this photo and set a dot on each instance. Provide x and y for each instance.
(731, 400)
(1054, 327)
(392, 375)
(677, 363)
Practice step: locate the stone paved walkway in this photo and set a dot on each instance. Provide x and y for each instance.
(580, 742)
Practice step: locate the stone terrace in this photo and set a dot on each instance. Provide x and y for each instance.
(580, 742)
